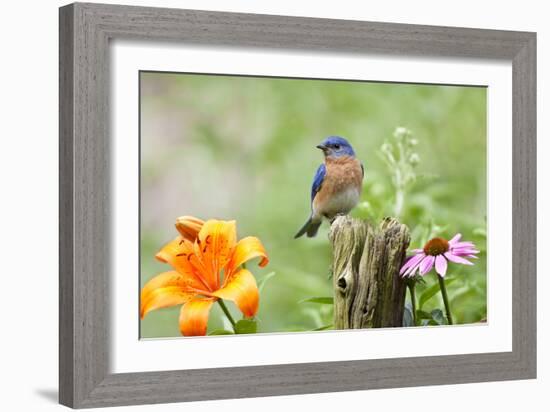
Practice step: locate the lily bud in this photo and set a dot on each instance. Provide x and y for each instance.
(189, 227)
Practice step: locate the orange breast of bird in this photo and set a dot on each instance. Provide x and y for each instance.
(341, 186)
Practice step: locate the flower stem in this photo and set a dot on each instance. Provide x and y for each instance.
(445, 299)
(227, 313)
(413, 300)
(399, 201)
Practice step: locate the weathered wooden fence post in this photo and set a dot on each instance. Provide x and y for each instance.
(368, 291)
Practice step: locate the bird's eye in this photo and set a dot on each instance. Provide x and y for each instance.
(337, 147)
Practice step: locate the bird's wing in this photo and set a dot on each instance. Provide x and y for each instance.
(318, 180)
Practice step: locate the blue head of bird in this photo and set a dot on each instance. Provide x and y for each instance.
(336, 146)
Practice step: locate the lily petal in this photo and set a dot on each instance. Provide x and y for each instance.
(214, 244)
(165, 290)
(180, 255)
(242, 290)
(193, 319)
(246, 249)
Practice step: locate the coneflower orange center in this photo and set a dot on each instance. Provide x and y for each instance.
(436, 246)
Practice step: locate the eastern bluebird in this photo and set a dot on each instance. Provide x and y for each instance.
(336, 186)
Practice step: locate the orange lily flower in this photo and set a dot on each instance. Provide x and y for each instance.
(189, 227)
(207, 268)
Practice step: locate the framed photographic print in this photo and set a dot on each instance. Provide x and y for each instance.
(256, 205)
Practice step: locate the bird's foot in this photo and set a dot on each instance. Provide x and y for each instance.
(337, 215)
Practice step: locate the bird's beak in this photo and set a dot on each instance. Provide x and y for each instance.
(322, 147)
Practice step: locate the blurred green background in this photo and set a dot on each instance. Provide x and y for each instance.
(243, 148)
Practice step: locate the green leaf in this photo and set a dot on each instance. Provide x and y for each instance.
(324, 327)
(429, 322)
(408, 317)
(421, 314)
(431, 291)
(323, 300)
(437, 316)
(245, 326)
(427, 295)
(263, 281)
(480, 231)
(220, 332)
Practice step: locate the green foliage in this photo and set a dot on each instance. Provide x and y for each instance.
(326, 327)
(438, 317)
(264, 280)
(221, 332)
(244, 148)
(401, 160)
(431, 291)
(245, 326)
(408, 319)
(325, 300)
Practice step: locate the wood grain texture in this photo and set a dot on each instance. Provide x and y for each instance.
(524, 205)
(66, 228)
(368, 291)
(85, 32)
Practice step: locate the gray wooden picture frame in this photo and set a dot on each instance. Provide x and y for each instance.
(85, 32)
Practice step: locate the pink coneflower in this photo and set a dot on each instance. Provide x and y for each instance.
(437, 252)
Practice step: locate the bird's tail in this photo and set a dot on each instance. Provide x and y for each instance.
(311, 227)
